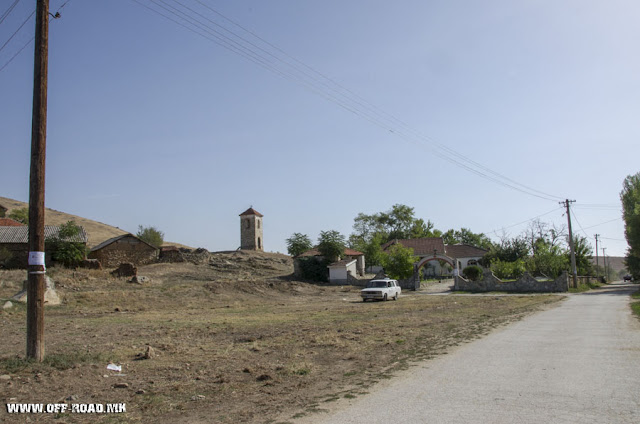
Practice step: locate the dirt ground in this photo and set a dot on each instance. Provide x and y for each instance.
(235, 339)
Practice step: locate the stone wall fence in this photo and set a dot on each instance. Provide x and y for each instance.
(524, 284)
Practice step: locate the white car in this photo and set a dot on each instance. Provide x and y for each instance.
(381, 290)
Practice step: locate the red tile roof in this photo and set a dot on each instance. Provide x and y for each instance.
(8, 222)
(251, 211)
(421, 246)
(464, 251)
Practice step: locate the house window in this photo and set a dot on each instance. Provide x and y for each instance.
(258, 224)
(259, 243)
(248, 223)
(472, 262)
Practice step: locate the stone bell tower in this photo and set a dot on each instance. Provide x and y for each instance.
(251, 230)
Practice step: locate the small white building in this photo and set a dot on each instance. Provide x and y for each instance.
(338, 271)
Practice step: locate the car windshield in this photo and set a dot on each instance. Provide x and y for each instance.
(376, 284)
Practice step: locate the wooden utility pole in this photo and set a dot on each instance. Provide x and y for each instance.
(574, 269)
(597, 272)
(36, 278)
(604, 262)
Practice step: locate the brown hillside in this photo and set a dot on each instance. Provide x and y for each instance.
(97, 231)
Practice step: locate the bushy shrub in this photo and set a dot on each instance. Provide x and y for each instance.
(508, 270)
(5, 257)
(473, 273)
(314, 269)
(398, 261)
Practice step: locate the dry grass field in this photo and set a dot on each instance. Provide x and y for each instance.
(234, 340)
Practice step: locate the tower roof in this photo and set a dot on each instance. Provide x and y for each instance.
(251, 211)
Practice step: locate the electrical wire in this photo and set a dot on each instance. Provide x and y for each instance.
(188, 18)
(524, 222)
(602, 223)
(18, 30)
(362, 101)
(8, 11)
(24, 46)
(578, 222)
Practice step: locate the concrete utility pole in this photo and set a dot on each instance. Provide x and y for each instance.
(597, 235)
(36, 277)
(574, 269)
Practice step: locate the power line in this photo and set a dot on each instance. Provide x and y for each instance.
(373, 107)
(582, 229)
(18, 30)
(8, 11)
(31, 40)
(602, 223)
(187, 17)
(523, 222)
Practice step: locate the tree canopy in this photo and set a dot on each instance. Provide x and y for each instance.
(298, 243)
(630, 198)
(64, 249)
(151, 235)
(331, 245)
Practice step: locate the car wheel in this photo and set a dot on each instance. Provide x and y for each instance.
(385, 297)
(395, 297)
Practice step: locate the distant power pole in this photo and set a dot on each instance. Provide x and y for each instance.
(574, 269)
(597, 235)
(604, 262)
(36, 277)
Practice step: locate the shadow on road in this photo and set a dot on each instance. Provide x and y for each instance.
(614, 289)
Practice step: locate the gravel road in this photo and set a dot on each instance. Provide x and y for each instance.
(576, 363)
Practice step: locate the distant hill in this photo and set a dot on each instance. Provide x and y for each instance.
(97, 231)
(615, 262)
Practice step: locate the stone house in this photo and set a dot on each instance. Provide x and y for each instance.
(14, 239)
(124, 248)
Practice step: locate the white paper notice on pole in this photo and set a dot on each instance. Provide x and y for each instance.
(36, 258)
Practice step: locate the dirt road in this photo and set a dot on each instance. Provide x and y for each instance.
(576, 363)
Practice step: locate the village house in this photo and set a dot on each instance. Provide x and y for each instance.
(464, 254)
(124, 248)
(352, 262)
(14, 243)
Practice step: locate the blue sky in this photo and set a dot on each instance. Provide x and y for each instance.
(152, 124)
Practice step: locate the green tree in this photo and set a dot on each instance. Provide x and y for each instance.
(298, 243)
(331, 245)
(583, 251)
(151, 235)
(65, 247)
(20, 215)
(508, 250)
(630, 198)
(397, 223)
(548, 259)
(398, 261)
(466, 236)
